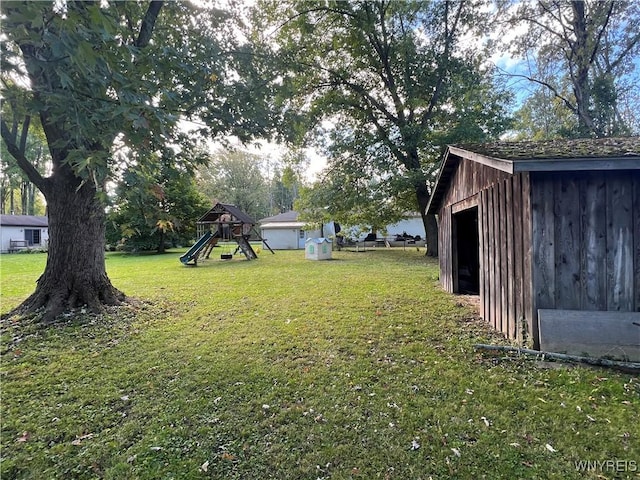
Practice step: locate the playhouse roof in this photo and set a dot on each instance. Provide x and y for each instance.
(542, 156)
(318, 240)
(220, 209)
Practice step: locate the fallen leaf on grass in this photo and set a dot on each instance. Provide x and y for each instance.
(414, 444)
(205, 466)
(550, 448)
(78, 440)
(227, 456)
(456, 452)
(23, 438)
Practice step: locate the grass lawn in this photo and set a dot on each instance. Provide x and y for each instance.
(355, 368)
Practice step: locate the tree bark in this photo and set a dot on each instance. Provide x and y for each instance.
(75, 274)
(428, 220)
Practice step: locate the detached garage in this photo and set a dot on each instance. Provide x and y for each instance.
(284, 231)
(539, 228)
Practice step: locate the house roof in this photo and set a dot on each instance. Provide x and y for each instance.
(543, 156)
(23, 221)
(290, 216)
(220, 209)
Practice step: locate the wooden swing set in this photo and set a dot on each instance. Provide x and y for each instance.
(226, 223)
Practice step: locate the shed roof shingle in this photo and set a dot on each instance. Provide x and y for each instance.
(556, 149)
(552, 155)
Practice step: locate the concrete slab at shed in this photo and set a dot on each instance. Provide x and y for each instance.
(613, 335)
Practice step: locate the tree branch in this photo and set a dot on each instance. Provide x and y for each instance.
(448, 40)
(553, 90)
(148, 23)
(30, 171)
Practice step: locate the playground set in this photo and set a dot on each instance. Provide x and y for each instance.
(225, 223)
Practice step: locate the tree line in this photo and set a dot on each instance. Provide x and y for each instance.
(379, 87)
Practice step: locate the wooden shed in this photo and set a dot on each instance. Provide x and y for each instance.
(540, 226)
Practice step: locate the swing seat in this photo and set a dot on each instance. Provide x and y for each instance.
(226, 256)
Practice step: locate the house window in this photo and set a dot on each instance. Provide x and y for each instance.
(32, 236)
(301, 234)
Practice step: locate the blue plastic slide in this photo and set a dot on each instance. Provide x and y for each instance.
(192, 253)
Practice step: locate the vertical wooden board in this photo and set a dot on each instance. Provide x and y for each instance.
(481, 241)
(593, 213)
(518, 275)
(619, 242)
(444, 235)
(475, 177)
(567, 241)
(485, 268)
(543, 240)
(441, 246)
(491, 270)
(635, 178)
(529, 309)
(454, 251)
(497, 238)
(510, 289)
(504, 311)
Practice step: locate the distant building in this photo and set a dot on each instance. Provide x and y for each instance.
(286, 232)
(20, 232)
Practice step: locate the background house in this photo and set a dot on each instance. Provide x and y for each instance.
(541, 226)
(18, 232)
(286, 232)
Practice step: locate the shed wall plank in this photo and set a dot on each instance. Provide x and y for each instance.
(482, 247)
(594, 242)
(543, 241)
(528, 306)
(619, 243)
(506, 321)
(510, 258)
(567, 243)
(518, 274)
(491, 211)
(635, 214)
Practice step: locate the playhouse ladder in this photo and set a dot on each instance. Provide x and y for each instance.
(245, 247)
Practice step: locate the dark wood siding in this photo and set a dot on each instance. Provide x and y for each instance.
(505, 275)
(547, 240)
(444, 248)
(504, 224)
(469, 179)
(585, 226)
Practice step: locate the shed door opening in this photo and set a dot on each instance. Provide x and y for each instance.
(466, 245)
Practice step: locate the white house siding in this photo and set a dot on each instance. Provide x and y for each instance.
(17, 232)
(281, 238)
(411, 226)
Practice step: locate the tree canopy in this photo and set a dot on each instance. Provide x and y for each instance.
(583, 53)
(392, 81)
(107, 76)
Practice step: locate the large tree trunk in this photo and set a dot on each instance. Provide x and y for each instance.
(75, 274)
(429, 221)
